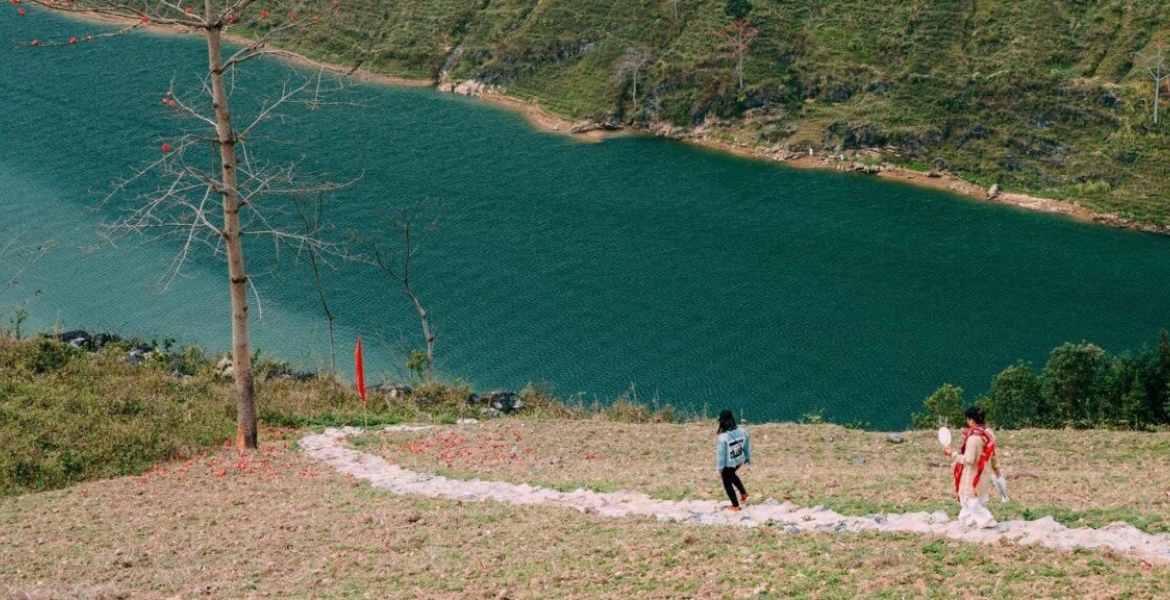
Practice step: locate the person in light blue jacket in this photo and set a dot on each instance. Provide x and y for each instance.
(732, 449)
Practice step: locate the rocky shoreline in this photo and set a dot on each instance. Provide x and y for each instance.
(866, 161)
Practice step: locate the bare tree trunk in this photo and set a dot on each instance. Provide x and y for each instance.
(1157, 94)
(325, 306)
(426, 327)
(739, 65)
(246, 437)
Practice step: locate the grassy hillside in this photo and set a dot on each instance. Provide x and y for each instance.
(1036, 95)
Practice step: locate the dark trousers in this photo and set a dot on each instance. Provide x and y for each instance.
(731, 479)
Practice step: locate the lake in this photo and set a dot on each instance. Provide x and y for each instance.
(695, 278)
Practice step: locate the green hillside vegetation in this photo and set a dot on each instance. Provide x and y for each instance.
(1045, 97)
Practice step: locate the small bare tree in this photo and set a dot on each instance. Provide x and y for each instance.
(674, 4)
(408, 223)
(16, 258)
(312, 216)
(193, 182)
(740, 34)
(1157, 69)
(630, 64)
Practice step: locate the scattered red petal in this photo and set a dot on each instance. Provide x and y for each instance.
(73, 40)
(263, 14)
(190, 10)
(220, 473)
(292, 16)
(166, 147)
(35, 43)
(20, 11)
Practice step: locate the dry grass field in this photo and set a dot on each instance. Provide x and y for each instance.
(275, 524)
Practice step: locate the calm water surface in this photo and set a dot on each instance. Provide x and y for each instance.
(705, 279)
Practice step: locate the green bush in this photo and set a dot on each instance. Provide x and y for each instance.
(943, 407)
(1072, 385)
(1014, 401)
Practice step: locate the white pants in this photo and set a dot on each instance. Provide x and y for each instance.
(974, 511)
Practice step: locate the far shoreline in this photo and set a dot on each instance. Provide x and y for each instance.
(542, 120)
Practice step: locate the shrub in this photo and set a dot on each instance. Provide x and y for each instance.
(1014, 401)
(943, 407)
(1072, 385)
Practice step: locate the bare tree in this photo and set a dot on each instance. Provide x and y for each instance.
(631, 63)
(192, 182)
(395, 262)
(312, 217)
(1157, 69)
(16, 258)
(740, 34)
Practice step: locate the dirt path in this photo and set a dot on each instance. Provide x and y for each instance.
(330, 447)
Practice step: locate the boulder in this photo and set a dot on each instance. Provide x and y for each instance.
(993, 191)
(502, 402)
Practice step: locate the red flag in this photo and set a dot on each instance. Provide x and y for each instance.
(361, 376)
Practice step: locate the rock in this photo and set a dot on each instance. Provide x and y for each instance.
(502, 401)
(584, 127)
(224, 368)
(860, 460)
(488, 412)
(470, 87)
(938, 517)
(608, 124)
(993, 191)
(894, 438)
(934, 175)
(466, 422)
(392, 390)
(138, 354)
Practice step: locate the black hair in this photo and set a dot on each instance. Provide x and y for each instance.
(727, 421)
(976, 414)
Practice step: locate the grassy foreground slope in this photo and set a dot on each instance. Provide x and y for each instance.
(1041, 96)
(277, 525)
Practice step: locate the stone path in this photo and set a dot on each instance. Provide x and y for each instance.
(330, 447)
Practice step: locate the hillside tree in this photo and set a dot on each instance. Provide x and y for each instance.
(740, 34)
(1156, 64)
(632, 62)
(211, 162)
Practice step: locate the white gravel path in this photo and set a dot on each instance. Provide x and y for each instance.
(330, 447)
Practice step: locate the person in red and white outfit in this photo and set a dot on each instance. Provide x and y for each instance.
(973, 465)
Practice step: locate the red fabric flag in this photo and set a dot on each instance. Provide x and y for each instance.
(359, 371)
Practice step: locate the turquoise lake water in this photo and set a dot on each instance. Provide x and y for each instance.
(701, 278)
